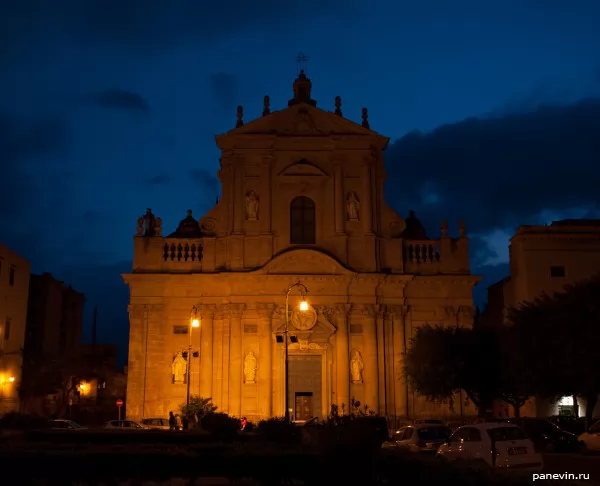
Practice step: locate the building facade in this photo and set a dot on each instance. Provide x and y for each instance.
(14, 290)
(52, 342)
(544, 259)
(302, 200)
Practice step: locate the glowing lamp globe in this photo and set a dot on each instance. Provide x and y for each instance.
(303, 306)
(195, 323)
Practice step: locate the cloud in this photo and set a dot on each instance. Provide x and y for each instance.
(205, 179)
(224, 89)
(28, 25)
(159, 180)
(32, 176)
(497, 173)
(121, 100)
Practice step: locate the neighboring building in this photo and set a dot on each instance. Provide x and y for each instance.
(52, 344)
(543, 259)
(302, 200)
(14, 291)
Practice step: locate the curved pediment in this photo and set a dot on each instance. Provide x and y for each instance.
(304, 261)
(302, 168)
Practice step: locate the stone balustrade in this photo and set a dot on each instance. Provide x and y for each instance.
(421, 256)
(176, 250)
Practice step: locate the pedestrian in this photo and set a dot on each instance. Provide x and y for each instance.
(244, 423)
(172, 421)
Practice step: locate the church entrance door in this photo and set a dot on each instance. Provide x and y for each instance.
(304, 406)
(305, 383)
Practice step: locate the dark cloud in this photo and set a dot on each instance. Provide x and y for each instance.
(121, 100)
(146, 24)
(205, 179)
(27, 146)
(224, 89)
(159, 180)
(499, 172)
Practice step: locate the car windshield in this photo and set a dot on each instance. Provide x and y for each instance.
(500, 434)
(434, 433)
(74, 424)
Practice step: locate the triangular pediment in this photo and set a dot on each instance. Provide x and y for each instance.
(304, 261)
(302, 120)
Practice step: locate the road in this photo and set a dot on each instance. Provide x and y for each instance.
(575, 464)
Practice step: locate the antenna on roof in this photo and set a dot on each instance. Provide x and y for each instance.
(302, 62)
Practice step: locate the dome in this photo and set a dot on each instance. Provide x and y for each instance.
(414, 228)
(188, 228)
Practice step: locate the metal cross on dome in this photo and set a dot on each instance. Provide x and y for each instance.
(302, 61)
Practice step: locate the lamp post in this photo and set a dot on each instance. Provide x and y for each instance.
(303, 307)
(194, 322)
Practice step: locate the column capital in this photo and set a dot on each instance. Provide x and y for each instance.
(236, 310)
(342, 310)
(206, 311)
(265, 311)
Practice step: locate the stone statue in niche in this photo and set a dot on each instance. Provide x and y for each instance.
(356, 367)
(352, 206)
(179, 368)
(251, 206)
(250, 368)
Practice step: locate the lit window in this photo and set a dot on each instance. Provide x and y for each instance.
(566, 401)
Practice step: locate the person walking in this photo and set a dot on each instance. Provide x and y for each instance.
(172, 421)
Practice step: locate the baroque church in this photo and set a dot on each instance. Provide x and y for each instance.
(302, 201)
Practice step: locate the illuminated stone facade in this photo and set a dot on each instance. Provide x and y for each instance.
(302, 200)
(544, 259)
(14, 291)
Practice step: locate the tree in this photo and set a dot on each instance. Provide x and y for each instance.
(199, 407)
(559, 338)
(443, 360)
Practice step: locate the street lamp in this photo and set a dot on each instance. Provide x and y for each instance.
(303, 307)
(194, 322)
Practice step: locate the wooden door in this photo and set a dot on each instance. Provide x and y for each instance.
(304, 407)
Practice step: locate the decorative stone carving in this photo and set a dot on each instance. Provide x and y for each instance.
(304, 320)
(444, 229)
(158, 226)
(179, 368)
(356, 367)
(303, 123)
(148, 223)
(352, 206)
(252, 206)
(140, 226)
(250, 366)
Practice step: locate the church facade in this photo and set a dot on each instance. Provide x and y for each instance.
(302, 201)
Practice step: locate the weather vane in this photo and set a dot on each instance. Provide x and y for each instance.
(302, 61)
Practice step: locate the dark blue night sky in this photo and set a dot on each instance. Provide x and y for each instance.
(111, 106)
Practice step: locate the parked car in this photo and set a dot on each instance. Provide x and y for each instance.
(156, 423)
(125, 425)
(419, 438)
(498, 445)
(591, 438)
(62, 424)
(547, 436)
(428, 421)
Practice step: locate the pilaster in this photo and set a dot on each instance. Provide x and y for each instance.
(371, 371)
(381, 370)
(342, 356)
(265, 360)
(206, 350)
(367, 202)
(235, 359)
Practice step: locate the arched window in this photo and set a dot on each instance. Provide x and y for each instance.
(302, 221)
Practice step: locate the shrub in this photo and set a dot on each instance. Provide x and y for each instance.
(277, 429)
(17, 421)
(220, 425)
